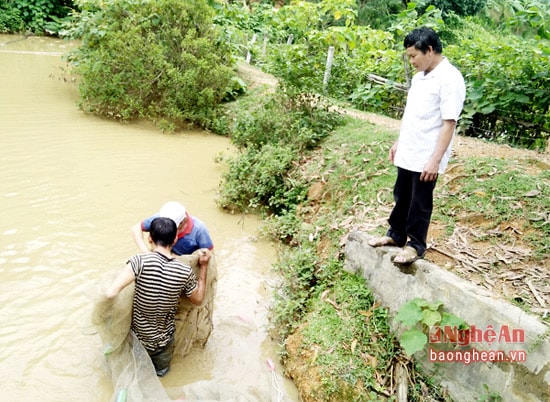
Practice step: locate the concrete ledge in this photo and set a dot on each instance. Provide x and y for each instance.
(513, 381)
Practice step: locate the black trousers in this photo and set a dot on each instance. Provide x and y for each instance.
(162, 356)
(412, 212)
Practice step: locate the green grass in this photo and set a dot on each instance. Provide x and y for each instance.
(350, 335)
(355, 351)
(502, 194)
(353, 166)
(355, 348)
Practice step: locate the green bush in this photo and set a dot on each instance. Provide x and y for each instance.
(256, 179)
(11, 20)
(299, 120)
(460, 7)
(378, 13)
(36, 16)
(507, 98)
(528, 18)
(161, 60)
(272, 136)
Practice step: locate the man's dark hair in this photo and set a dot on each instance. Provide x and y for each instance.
(422, 38)
(163, 231)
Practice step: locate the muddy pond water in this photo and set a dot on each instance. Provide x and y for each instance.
(71, 186)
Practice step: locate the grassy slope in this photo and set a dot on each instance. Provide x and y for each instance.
(342, 350)
(337, 343)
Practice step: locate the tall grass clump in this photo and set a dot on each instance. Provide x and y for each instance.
(272, 136)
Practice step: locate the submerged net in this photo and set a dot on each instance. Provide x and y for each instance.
(126, 360)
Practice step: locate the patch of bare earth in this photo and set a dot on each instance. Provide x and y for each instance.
(505, 268)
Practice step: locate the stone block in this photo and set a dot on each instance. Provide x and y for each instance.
(515, 331)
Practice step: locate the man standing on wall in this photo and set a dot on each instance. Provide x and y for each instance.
(422, 151)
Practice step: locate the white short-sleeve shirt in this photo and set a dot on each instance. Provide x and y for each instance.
(432, 98)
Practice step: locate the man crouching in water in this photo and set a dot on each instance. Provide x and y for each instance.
(160, 278)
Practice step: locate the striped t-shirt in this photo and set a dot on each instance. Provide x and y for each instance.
(159, 283)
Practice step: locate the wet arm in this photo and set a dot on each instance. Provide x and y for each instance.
(137, 235)
(122, 280)
(198, 294)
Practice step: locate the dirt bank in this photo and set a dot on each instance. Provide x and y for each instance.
(468, 253)
(525, 282)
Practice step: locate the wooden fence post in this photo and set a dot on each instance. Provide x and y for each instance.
(248, 54)
(328, 67)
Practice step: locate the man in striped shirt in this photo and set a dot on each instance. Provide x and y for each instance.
(160, 279)
(422, 151)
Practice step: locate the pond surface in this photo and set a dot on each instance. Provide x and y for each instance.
(71, 186)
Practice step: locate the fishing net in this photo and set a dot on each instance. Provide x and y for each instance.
(126, 360)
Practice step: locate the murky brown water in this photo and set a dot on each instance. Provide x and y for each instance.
(71, 186)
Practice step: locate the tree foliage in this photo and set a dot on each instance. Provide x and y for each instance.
(158, 59)
(36, 16)
(460, 7)
(527, 18)
(507, 97)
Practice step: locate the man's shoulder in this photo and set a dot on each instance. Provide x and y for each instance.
(176, 261)
(449, 68)
(198, 224)
(146, 223)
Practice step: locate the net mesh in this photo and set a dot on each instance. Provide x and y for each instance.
(126, 361)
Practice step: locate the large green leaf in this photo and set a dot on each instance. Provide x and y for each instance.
(413, 340)
(451, 320)
(430, 317)
(409, 313)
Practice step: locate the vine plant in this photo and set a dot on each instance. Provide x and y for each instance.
(420, 316)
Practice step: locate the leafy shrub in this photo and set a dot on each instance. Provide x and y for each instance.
(159, 59)
(528, 18)
(36, 16)
(256, 178)
(460, 7)
(11, 20)
(420, 315)
(285, 227)
(299, 120)
(507, 98)
(272, 136)
(298, 271)
(378, 13)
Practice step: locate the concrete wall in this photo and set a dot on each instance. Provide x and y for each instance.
(393, 286)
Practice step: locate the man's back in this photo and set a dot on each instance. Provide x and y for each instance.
(159, 282)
